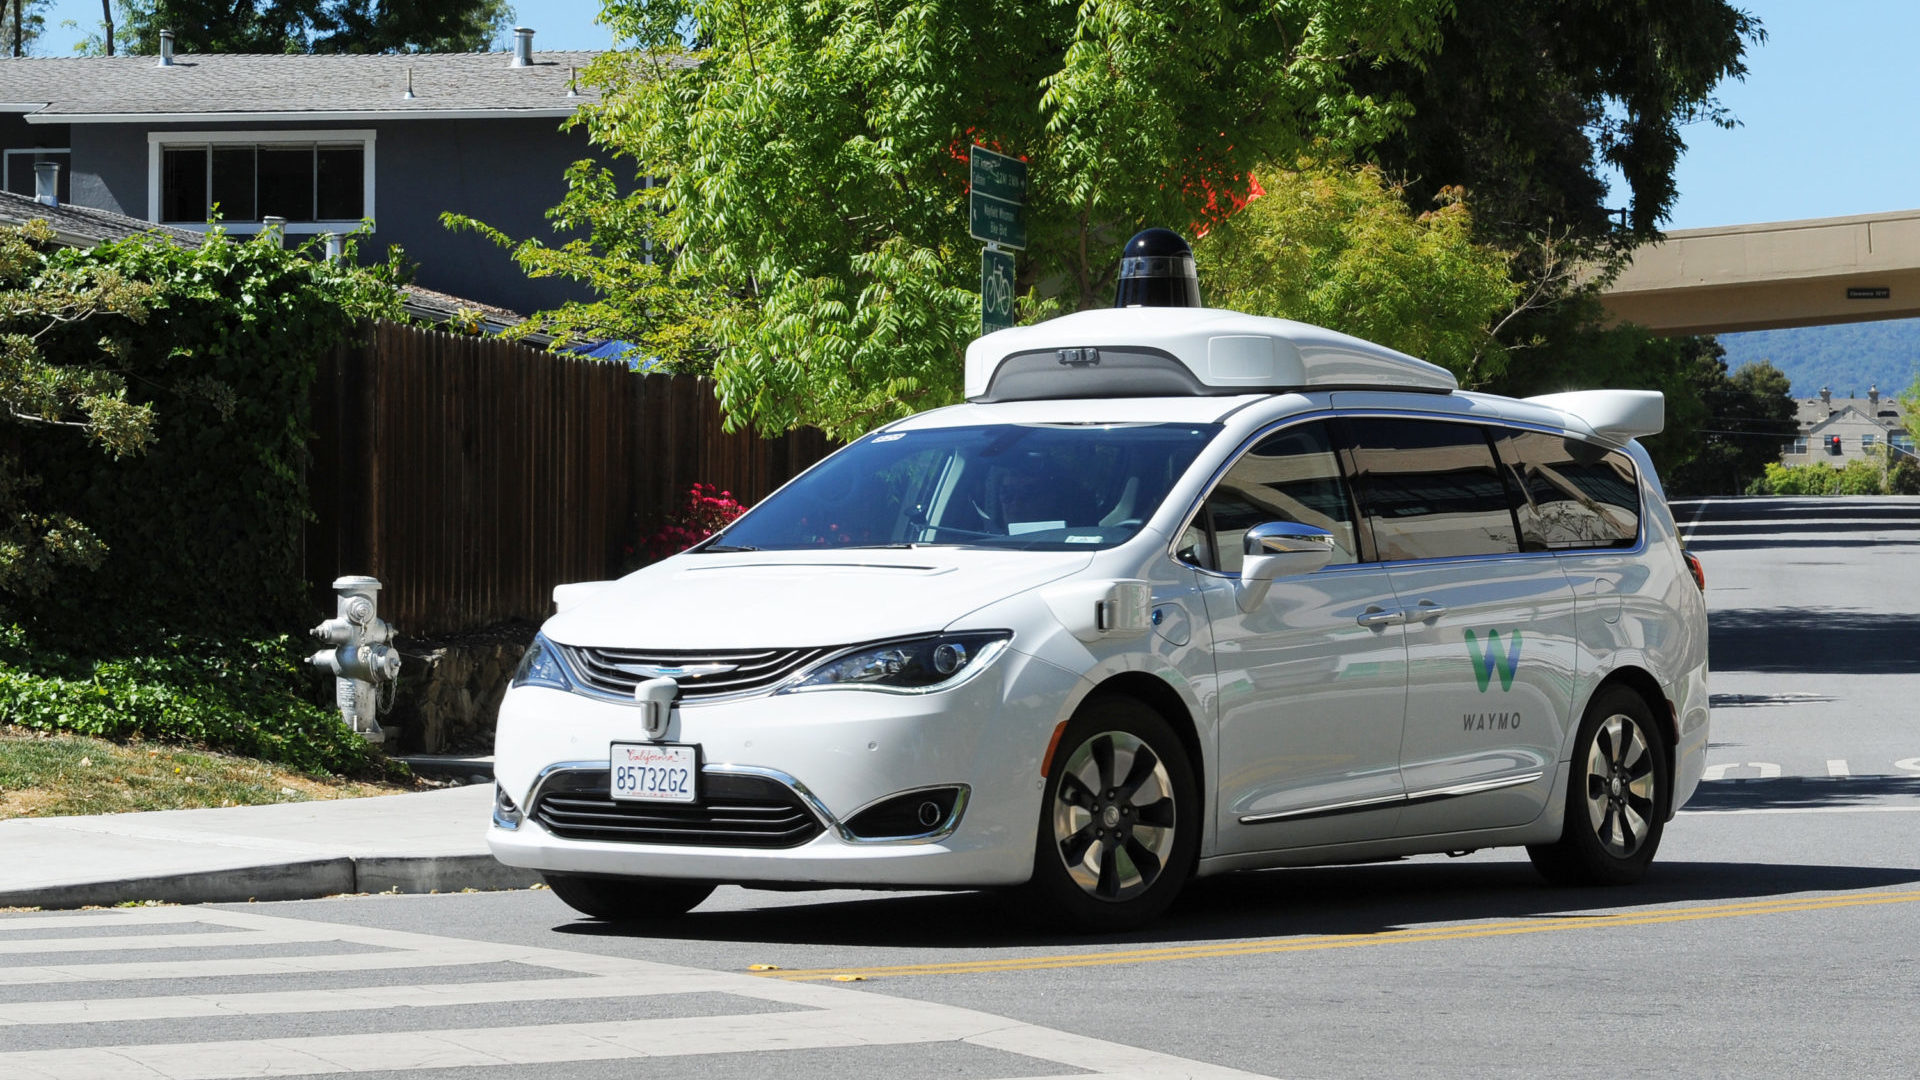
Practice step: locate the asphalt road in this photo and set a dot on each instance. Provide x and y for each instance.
(1776, 937)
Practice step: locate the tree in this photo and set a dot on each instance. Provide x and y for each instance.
(22, 21)
(814, 155)
(326, 26)
(1525, 102)
(1337, 246)
(83, 398)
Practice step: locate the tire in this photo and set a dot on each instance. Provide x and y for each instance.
(1618, 796)
(628, 899)
(1119, 771)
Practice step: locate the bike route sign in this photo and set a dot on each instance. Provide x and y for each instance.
(996, 290)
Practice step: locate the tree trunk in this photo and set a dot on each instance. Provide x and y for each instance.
(18, 45)
(106, 16)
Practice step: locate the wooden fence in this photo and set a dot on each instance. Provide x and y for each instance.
(471, 475)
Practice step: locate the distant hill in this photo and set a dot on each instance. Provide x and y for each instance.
(1846, 358)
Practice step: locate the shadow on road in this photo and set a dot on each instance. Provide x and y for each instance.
(1266, 903)
(1831, 642)
(1801, 792)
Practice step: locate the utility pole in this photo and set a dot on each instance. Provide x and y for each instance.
(106, 16)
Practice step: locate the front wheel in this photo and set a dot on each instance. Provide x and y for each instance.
(1120, 820)
(628, 899)
(1617, 798)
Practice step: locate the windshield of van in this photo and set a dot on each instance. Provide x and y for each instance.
(1036, 487)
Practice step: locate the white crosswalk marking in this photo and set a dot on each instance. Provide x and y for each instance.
(787, 1016)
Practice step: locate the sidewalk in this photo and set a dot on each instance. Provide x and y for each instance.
(420, 842)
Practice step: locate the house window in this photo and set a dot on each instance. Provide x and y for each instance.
(1902, 442)
(1866, 441)
(19, 168)
(317, 181)
(1798, 445)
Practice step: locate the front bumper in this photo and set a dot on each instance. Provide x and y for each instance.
(837, 751)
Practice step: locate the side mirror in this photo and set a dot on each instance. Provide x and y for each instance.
(1277, 549)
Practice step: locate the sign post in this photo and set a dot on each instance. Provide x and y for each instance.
(997, 215)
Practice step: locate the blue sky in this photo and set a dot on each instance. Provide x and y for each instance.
(1826, 110)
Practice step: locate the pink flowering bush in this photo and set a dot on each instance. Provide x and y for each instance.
(707, 509)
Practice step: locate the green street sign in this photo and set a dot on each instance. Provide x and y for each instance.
(997, 175)
(996, 199)
(997, 221)
(996, 291)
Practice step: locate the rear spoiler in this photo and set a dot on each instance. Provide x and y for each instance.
(1613, 414)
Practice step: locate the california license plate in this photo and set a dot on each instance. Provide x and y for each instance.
(654, 772)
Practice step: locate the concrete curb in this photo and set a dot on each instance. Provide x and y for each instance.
(304, 880)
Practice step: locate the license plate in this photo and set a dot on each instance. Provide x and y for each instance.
(654, 772)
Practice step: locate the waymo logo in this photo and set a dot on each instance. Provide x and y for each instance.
(1486, 657)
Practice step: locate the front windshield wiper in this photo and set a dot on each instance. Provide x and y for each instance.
(724, 548)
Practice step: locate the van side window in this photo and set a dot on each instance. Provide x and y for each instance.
(1291, 475)
(1568, 493)
(1429, 489)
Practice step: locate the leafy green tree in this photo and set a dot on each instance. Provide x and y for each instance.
(1526, 102)
(325, 26)
(83, 398)
(21, 22)
(814, 156)
(1337, 246)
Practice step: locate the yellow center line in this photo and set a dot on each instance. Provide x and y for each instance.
(1418, 935)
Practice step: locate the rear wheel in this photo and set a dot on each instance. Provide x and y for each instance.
(628, 899)
(1120, 820)
(1617, 798)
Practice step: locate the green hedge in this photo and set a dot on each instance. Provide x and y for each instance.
(248, 696)
(179, 632)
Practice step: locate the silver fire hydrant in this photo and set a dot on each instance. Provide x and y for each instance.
(361, 661)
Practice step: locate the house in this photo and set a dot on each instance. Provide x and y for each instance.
(1834, 431)
(322, 141)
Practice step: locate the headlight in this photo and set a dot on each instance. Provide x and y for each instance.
(542, 666)
(914, 665)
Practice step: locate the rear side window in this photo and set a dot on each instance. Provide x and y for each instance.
(1428, 489)
(1568, 493)
(1291, 475)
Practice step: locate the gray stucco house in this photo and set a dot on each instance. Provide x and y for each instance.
(323, 141)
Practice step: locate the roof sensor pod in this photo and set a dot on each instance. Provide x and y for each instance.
(1156, 270)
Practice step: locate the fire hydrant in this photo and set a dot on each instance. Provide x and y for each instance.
(361, 660)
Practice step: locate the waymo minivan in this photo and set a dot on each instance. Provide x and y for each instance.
(1177, 591)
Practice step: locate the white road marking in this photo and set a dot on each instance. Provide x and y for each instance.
(817, 1016)
(1838, 767)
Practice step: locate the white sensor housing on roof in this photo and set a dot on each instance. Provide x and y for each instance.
(1157, 352)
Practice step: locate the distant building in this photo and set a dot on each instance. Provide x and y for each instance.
(322, 142)
(1834, 431)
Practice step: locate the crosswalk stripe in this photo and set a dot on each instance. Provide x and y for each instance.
(814, 1017)
(130, 942)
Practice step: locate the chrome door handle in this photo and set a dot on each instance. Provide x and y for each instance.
(1376, 616)
(1426, 611)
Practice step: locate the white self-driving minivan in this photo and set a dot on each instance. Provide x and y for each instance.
(1178, 591)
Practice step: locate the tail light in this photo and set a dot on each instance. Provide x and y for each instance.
(1699, 574)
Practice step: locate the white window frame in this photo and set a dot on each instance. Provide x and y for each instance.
(31, 152)
(158, 141)
(1867, 440)
(1798, 446)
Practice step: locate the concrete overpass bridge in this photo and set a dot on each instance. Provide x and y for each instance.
(1773, 275)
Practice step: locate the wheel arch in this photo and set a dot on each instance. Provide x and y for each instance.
(1648, 689)
(1154, 692)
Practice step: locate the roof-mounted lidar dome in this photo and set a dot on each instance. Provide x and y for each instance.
(1156, 270)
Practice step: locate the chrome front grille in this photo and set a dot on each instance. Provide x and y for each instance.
(615, 672)
(733, 811)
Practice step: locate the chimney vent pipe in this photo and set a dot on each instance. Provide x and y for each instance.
(46, 182)
(522, 46)
(166, 48)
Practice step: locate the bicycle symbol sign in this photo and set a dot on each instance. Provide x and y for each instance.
(996, 290)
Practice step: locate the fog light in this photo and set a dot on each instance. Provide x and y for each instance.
(911, 815)
(505, 814)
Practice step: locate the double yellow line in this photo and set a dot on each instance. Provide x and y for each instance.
(1270, 946)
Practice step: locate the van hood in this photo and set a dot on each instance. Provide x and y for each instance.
(767, 599)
